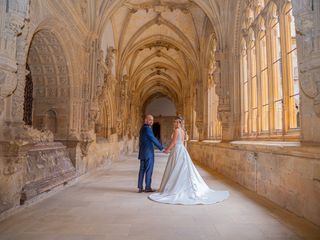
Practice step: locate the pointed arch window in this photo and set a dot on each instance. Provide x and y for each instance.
(269, 77)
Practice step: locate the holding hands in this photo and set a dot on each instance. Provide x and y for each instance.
(166, 150)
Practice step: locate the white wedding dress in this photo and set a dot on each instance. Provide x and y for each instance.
(182, 183)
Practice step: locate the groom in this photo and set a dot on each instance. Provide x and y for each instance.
(146, 153)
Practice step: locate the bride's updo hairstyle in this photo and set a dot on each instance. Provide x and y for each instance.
(180, 119)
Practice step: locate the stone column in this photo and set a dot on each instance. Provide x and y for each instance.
(12, 20)
(223, 91)
(199, 109)
(307, 20)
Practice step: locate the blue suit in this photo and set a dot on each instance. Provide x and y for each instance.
(146, 155)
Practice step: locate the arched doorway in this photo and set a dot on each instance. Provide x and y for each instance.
(156, 128)
(164, 112)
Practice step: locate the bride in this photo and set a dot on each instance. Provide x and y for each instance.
(181, 182)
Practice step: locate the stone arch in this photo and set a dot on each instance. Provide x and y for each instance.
(153, 89)
(51, 81)
(106, 10)
(152, 97)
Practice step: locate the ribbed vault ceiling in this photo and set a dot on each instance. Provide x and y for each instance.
(158, 45)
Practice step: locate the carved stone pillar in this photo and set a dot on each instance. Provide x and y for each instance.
(307, 19)
(13, 15)
(199, 109)
(187, 114)
(200, 127)
(223, 91)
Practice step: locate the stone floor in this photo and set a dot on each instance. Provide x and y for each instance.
(105, 205)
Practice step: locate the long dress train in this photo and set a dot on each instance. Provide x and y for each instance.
(182, 183)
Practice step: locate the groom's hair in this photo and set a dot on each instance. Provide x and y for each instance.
(147, 116)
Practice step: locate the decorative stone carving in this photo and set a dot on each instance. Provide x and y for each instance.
(308, 84)
(159, 6)
(217, 78)
(11, 25)
(308, 34)
(161, 44)
(30, 135)
(93, 114)
(8, 83)
(110, 58)
(87, 138)
(199, 125)
(48, 165)
(211, 69)
(316, 103)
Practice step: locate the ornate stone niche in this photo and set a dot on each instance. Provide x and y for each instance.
(50, 84)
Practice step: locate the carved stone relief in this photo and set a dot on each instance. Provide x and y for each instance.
(159, 6)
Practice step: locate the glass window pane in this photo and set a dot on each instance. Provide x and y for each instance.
(254, 119)
(294, 112)
(292, 30)
(277, 80)
(254, 92)
(253, 62)
(297, 109)
(293, 74)
(245, 96)
(278, 115)
(278, 43)
(264, 87)
(245, 69)
(265, 118)
(263, 51)
(246, 118)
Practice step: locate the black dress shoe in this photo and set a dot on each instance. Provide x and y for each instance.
(150, 190)
(140, 190)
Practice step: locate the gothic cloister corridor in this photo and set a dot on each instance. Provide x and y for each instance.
(78, 77)
(105, 205)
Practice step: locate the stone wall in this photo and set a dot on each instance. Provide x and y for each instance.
(105, 151)
(285, 173)
(29, 170)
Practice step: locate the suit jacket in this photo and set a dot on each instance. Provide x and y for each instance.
(146, 141)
